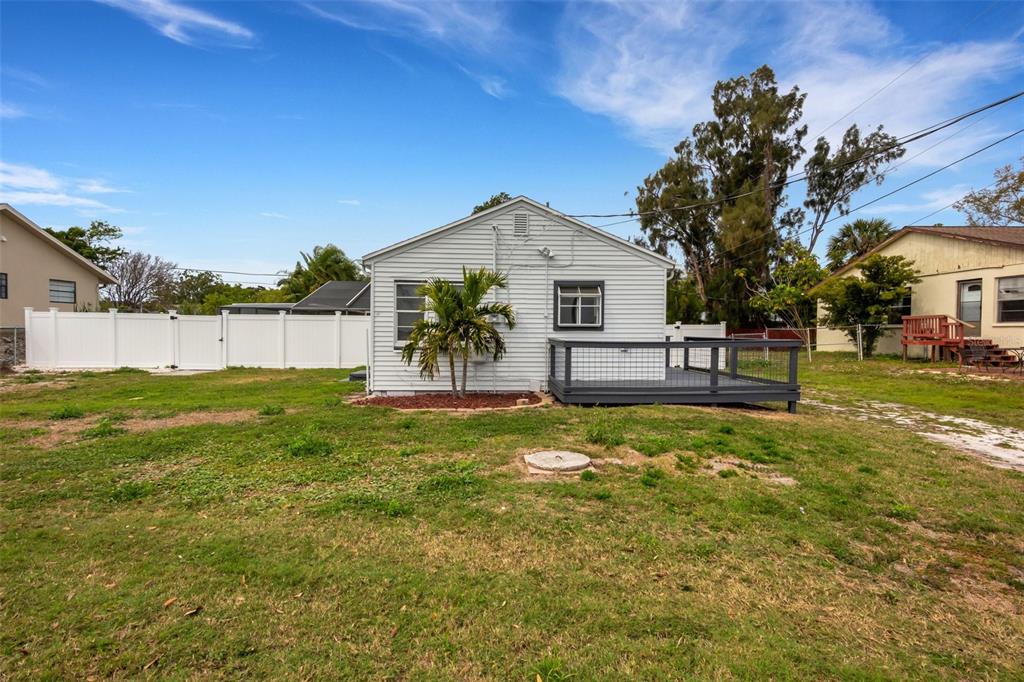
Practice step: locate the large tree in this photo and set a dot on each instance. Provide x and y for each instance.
(785, 297)
(867, 300)
(142, 278)
(324, 264)
(856, 238)
(729, 174)
(495, 200)
(832, 178)
(1000, 205)
(93, 242)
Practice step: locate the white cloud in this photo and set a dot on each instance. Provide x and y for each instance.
(22, 185)
(349, 202)
(476, 25)
(271, 214)
(25, 78)
(95, 186)
(931, 200)
(11, 111)
(652, 67)
(184, 24)
(495, 86)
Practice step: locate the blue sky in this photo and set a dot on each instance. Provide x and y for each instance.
(231, 135)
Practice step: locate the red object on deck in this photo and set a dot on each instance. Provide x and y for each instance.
(944, 332)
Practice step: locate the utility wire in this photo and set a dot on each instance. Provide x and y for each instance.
(903, 73)
(232, 272)
(734, 258)
(802, 176)
(951, 204)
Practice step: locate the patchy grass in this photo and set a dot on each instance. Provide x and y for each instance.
(839, 377)
(335, 540)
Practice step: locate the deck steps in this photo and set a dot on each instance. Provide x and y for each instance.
(994, 356)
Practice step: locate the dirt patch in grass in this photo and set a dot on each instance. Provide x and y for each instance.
(65, 431)
(445, 401)
(718, 466)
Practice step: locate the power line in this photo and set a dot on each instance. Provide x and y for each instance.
(950, 204)
(233, 272)
(734, 258)
(903, 73)
(802, 176)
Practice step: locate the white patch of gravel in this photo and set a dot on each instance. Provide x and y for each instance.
(999, 446)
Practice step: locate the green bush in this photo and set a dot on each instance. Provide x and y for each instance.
(270, 410)
(67, 412)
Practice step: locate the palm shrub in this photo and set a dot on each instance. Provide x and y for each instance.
(459, 324)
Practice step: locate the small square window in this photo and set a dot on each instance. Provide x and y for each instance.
(1010, 299)
(62, 291)
(579, 305)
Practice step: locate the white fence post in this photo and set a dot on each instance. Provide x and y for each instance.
(722, 324)
(337, 339)
(172, 320)
(282, 336)
(113, 336)
(860, 342)
(224, 317)
(28, 336)
(53, 338)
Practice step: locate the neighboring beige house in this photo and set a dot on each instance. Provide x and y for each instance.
(39, 271)
(974, 274)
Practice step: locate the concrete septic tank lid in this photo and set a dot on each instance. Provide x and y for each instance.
(557, 460)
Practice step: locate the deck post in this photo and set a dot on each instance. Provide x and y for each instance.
(668, 351)
(734, 360)
(686, 358)
(551, 360)
(568, 365)
(714, 366)
(794, 359)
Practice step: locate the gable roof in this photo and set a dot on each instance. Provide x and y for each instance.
(1010, 235)
(105, 277)
(337, 295)
(606, 237)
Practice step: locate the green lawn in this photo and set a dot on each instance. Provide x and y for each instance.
(141, 539)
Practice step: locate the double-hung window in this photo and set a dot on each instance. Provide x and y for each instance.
(62, 291)
(408, 309)
(579, 305)
(1010, 299)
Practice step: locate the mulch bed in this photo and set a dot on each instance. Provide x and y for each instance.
(445, 401)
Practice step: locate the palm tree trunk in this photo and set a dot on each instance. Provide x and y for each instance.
(465, 370)
(451, 372)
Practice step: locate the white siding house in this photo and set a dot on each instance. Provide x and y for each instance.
(619, 289)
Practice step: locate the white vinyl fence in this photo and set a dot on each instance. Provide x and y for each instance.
(109, 340)
(699, 357)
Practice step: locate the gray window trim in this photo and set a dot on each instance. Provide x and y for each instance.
(578, 283)
(74, 290)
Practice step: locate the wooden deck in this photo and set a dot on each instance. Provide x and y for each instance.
(732, 371)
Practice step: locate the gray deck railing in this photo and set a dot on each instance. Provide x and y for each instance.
(696, 370)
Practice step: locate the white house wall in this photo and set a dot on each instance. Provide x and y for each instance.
(634, 293)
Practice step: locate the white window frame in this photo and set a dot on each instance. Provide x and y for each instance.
(399, 343)
(73, 292)
(1015, 297)
(579, 305)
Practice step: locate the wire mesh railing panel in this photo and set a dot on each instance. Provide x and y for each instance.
(761, 364)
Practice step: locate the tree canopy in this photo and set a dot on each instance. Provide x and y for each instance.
(495, 200)
(324, 264)
(856, 238)
(1002, 204)
(93, 242)
(867, 300)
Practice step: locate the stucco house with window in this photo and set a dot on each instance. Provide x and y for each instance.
(38, 270)
(971, 274)
(566, 279)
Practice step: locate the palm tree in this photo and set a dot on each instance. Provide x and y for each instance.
(325, 264)
(855, 239)
(460, 324)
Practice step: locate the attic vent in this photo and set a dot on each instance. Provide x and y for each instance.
(521, 225)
